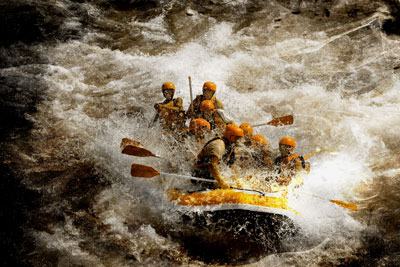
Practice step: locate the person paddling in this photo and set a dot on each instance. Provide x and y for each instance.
(289, 164)
(209, 89)
(215, 152)
(215, 119)
(170, 112)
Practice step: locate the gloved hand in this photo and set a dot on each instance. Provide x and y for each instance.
(222, 185)
(239, 184)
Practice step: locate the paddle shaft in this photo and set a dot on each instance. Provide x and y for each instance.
(191, 93)
(280, 121)
(202, 180)
(343, 204)
(186, 177)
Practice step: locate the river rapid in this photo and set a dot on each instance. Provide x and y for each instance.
(78, 76)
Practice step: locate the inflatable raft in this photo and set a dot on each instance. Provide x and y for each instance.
(224, 221)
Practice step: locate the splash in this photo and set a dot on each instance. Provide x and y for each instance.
(337, 78)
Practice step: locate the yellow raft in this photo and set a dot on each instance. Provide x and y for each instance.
(224, 222)
(225, 199)
(274, 201)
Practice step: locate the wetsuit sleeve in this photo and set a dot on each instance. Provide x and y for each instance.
(223, 116)
(218, 104)
(191, 112)
(178, 103)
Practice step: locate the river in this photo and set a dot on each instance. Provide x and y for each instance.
(78, 76)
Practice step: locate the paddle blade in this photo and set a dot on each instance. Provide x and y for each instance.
(143, 171)
(350, 206)
(306, 157)
(285, 120)
(137, 151)
(127, 141)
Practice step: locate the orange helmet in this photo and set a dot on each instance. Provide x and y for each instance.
(247, 129)
(259, 139)
(199, 124)
(168, 86)
(232, 131)
(288, 141)
(206, 105)
(209, 86)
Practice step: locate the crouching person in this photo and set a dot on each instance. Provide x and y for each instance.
(215, 152)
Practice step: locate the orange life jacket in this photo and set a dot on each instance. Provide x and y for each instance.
(172, 119)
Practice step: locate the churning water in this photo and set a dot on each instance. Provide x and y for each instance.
(337, 74)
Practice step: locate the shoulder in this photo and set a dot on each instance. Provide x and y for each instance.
(215, 148)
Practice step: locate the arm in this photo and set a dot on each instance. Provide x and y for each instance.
(177, 105)
(223, 116)
(215, 173)
(218, 104)
(190, 112)
(300, 164)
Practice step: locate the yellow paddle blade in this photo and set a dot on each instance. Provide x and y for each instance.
(306, 157)
(143, 171)
(350, 206)
(137, 151)
(285, 120)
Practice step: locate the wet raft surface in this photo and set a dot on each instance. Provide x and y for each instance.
(77, 76)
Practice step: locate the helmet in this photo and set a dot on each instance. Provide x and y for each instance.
(288, 141)
(232, 131)
(209, 86)
(206, 105)
(199, 124)
(168, 86)
(259, 139)
(247, 129)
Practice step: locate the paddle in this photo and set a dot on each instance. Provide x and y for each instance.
(131, 147)
(127, 141)
(346, 205)
(317, 150)
(281, 121)
(143, 171)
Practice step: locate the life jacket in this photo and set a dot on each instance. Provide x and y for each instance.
(228, 157)
(172, 118)
(289, 160)
(196, 105)
(216, 121)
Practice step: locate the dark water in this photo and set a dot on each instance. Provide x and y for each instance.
(77, 76)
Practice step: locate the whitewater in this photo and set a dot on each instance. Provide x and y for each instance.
(338, 78)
